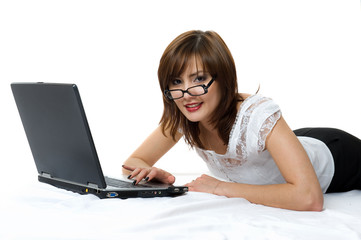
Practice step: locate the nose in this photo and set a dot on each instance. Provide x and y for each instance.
(186, 95)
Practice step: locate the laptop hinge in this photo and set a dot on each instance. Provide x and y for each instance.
(92, 185)
(46, 175)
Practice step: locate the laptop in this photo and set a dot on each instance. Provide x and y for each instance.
(62, 145)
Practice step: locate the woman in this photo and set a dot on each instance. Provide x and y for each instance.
(243, 138)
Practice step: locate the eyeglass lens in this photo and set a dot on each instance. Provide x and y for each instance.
(194, 91)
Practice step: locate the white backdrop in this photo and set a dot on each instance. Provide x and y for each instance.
(305, 54)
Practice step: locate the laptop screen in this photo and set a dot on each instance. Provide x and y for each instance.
(58, 132)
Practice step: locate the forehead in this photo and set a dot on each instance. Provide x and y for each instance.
(192, 67)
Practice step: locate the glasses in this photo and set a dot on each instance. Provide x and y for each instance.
(193, 91)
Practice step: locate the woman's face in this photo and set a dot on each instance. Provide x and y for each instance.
(196, 108)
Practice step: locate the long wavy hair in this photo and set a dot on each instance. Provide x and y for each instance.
(212, 52)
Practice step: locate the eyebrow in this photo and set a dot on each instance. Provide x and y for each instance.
(196, 73)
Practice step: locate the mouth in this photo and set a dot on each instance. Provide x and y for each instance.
(192, 107)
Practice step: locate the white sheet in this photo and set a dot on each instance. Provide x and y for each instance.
(288, 47)
(41, 211)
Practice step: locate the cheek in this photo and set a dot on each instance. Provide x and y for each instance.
(177, 103)
(215, 96)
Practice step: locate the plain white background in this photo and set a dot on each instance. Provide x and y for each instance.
(306, 55)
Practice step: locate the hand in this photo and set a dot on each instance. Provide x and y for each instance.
(148, 174)
(205, 184)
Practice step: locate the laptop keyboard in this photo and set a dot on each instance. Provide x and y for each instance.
(122, 184)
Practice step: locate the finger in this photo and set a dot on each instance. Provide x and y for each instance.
(166, 177)
(160, 175)
(190, 184)
(171, 179)
(190, 187)
(141, 175)
(152, 174)
(135, 173)
(129, 168)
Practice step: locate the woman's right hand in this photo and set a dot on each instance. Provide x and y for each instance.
(148, 174)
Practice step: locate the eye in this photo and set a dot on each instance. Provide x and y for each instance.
(200, 79)
(176, 82)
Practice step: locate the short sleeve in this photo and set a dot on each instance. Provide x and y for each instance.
(263, 115)
(255, 120)
(266, 128)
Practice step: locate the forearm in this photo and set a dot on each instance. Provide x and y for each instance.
(286, 195)
(151, 150)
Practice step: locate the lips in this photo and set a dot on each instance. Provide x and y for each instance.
(192, 107)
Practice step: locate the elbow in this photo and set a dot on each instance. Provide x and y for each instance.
(317, 205)
(313, 202)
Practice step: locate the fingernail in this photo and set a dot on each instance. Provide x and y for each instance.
(146, 179)
(134, 182)
(129, 176)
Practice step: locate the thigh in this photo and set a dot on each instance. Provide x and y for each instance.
(346, 152)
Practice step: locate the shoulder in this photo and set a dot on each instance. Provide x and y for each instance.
(244, 96)
(257, 115)
(253, 103)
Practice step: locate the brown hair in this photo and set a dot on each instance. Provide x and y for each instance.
(216, 58)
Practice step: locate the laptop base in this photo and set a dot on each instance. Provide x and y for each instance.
(114, 193)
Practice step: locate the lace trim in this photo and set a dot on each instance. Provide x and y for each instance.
(241, 146)
(266, 128)
(237, 117)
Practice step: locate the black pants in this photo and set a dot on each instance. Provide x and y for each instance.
(346, 152)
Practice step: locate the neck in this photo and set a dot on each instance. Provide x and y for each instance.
(208, 133)
(211, 139)
(207, 128)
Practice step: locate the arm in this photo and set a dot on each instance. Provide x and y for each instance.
(301, 191)
(140, 163)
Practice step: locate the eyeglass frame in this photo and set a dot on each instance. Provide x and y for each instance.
(168, 95)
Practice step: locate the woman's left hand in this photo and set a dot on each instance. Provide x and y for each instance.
(205, 184)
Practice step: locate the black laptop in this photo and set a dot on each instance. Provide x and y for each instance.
(62, 146)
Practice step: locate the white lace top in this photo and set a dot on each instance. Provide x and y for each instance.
(247, 160)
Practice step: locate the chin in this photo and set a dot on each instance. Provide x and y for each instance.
(194, 117)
